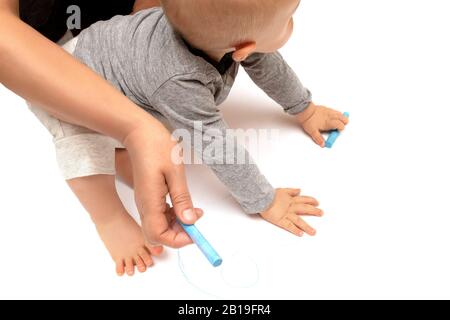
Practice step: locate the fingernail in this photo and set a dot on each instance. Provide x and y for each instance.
(189, 214)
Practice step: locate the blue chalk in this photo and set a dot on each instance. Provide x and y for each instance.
(209, 252)
(334, 135)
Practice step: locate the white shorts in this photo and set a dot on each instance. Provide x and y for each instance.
(80, 152)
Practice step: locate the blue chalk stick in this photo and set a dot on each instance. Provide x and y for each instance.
(205, 247)
(334, 135)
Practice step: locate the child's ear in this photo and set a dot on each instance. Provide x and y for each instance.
(242, 51)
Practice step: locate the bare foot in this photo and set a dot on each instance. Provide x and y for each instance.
(124, 240)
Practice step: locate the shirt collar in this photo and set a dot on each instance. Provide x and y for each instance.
(222, 66)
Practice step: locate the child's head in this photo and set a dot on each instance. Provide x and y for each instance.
(243, 26)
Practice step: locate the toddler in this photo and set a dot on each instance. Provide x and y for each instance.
(179, 63)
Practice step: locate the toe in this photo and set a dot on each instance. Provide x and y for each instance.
(120, 268)
(145, 256)
(140, 265)
(129, 266)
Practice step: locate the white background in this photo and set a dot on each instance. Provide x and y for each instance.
(384, 187)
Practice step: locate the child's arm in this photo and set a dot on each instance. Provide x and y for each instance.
(189, 105)
(197, 114)
(273, 75)
(193, 109)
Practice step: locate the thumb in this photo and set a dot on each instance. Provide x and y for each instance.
(317, 137)
(181, 197)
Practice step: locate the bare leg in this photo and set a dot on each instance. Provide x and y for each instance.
(123, 167)
(121, 235)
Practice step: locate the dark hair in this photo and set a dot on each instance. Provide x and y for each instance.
(36, 12)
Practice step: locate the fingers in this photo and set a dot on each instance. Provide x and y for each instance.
(317, 138)
(325, 119)
(343, 118)
(335, 124)
(337, 121)
(305, 210)
(174, 235)
(150, 196)
(159, 230)
(180, 196)
(291, 227)
(336, 115)
(301, 224)
(174, 239)
(159, 222)
(306, 200)
(306, 206)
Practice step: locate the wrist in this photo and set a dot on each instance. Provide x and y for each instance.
(270, 207)
(139, 135)
(307, 114)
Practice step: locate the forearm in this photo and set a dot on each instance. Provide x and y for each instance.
(276, 78)
(227, 157)
(204, 131)
(41, 72)
(247, 185)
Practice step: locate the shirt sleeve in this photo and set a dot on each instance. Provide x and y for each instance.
(190, 108)
(273, 75)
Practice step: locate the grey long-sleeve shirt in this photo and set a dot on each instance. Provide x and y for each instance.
(145, 59)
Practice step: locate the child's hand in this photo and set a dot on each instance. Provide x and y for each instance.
(317, 119)
(287, 208)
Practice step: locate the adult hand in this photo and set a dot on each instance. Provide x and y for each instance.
(155, 176)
